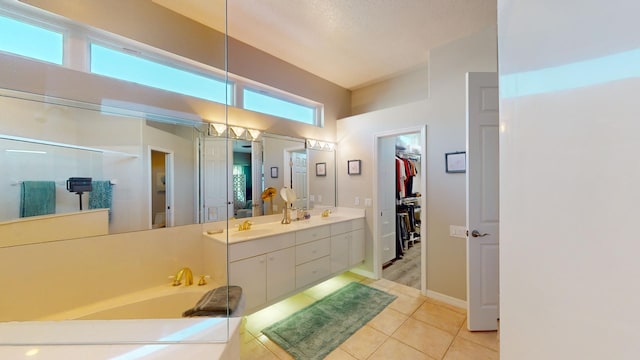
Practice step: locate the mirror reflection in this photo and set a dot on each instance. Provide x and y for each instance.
(145, 172)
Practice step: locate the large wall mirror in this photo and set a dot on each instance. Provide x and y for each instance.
(150, 171)
(256, 172)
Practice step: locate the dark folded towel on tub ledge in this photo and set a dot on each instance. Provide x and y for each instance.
(214, 302)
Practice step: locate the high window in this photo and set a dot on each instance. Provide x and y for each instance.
(120, 65)
(31, 41)
(267, 103)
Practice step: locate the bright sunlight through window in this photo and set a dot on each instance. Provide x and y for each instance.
(267, 104)
(31, 41)
(119, 65)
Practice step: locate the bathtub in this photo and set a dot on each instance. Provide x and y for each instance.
(140, 324)
(162, 302)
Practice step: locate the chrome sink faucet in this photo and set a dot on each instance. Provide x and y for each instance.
(185, 273)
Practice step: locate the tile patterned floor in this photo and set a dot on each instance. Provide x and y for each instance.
(412, 327)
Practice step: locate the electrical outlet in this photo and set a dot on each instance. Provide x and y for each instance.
(368, 202)
(319, 198)
(356, 201)
(312, 198)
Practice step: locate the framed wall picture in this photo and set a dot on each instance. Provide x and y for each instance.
(274, 172)
(353, 167)
(456, 162)
(321, 169)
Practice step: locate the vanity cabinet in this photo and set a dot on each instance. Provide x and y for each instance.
(272, 267)
(250, 274)
(347, 244)
(313, 249)
(280, 265)
(263, 268)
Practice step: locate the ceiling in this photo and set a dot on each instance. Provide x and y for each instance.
(351, 43)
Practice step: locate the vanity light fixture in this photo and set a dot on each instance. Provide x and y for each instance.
(216, 129)
(236, 131)
(320, 145)
(253, 134)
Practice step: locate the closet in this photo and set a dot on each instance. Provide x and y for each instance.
(401, 188)
(407, 199)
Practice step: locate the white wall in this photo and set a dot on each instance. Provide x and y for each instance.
(403, 88)
(569, 179)
(322, 188)
(444, 114)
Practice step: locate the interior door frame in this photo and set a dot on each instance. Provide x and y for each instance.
(287, 174)
(169, 190)
(377, 248)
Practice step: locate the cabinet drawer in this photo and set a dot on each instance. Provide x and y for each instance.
(312, 271)
(346, 226)
(312, 250)
(316, 233)
(258, 246)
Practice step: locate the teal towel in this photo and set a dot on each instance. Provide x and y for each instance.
(37, 198)
(101, 195)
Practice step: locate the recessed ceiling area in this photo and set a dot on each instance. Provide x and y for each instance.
(351, 43)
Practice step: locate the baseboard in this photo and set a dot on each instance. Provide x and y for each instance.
(362, 272)
(447, 299)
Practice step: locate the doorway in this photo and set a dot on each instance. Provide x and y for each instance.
(296, 175)
(161, 188)
(399, 241)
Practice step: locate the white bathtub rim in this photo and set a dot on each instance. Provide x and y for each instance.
(123, 332)
(117, 301)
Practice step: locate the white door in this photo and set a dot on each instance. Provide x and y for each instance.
(482, 201)
(299, 178)
(218, 189)
(257, 184)
(387, 200)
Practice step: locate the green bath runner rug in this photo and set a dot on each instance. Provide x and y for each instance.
(321, 327)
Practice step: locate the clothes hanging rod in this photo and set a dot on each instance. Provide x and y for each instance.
(59, 144)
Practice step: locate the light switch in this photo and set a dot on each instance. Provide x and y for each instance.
(368, 202)
(312, 198)
(458, 231)
(356, 201)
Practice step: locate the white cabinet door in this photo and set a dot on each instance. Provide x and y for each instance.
(251, 275)
(340, 246)
(281, 268)
(356, 253)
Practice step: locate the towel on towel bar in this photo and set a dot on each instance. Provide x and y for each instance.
(214, 302)
(101, 195)
(37, 198)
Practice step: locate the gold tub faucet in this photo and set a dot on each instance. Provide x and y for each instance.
(185, 273)
(246, 225)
